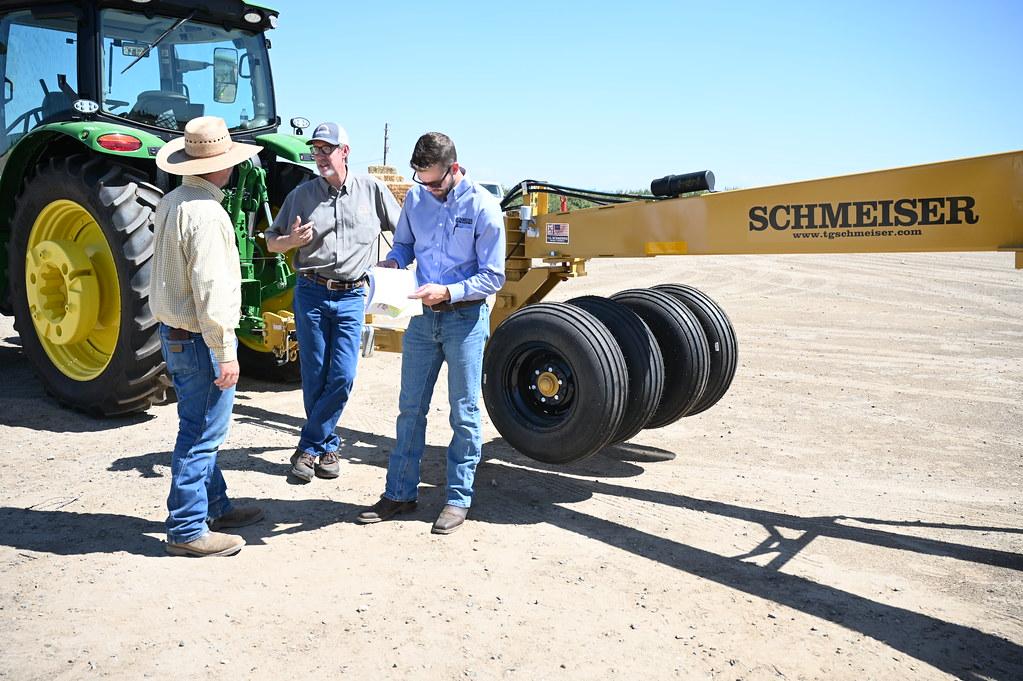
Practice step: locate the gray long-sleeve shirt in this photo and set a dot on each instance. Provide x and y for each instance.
(346, 224)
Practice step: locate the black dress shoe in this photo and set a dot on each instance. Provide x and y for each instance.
(450, 519)
(385, 509)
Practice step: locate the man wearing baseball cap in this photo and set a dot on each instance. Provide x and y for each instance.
(333, 222)
(195, 294)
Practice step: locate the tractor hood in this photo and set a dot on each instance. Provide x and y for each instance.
(119, 140)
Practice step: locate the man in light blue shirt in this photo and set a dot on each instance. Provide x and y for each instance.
(454, 230)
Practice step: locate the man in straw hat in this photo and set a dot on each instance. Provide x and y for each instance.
(196, 296)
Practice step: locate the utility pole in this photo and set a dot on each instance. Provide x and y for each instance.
(386, 126)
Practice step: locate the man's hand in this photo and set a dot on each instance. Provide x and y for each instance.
(431, 294)
(388, 263)
(228, 375)
(300, 234)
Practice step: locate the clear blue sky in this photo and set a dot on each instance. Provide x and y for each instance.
(608, 95)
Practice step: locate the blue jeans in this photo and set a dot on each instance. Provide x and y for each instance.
(329, 325)
(198, 492)
(456, 337)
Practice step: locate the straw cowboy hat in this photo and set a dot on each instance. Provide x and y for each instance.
(206, 148)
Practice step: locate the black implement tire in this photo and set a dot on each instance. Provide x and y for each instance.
(643, 361)
(281, 178)
(126, 374)
(683, 347)
(724, 348)
(554, 382)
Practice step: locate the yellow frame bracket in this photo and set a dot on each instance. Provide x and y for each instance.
(279, 335)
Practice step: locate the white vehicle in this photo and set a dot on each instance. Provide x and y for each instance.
(494, 188)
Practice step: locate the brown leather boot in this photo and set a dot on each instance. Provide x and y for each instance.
(303, 465)
(385, 509)
(329, 466)
(450, 519)
(240, 516)
(210, 544)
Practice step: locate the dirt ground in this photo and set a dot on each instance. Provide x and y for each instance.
(850, 510)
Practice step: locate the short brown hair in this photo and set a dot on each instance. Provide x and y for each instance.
(431, 149)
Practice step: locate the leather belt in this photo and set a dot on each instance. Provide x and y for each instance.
(333, 284)
(178, 334)
(449, 307)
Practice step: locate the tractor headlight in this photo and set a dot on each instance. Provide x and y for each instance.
(85, 106)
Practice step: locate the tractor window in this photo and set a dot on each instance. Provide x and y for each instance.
(38, 61)
(170, 82)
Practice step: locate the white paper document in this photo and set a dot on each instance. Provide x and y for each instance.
(389, 291)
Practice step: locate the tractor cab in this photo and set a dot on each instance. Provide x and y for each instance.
(163, 72)
(91, 91)
(151, 65)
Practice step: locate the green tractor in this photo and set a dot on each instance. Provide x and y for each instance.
(91, 91)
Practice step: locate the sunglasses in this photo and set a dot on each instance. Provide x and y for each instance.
(322, 150)
(437, 184)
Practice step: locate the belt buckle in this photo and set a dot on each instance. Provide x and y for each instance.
(350, 285)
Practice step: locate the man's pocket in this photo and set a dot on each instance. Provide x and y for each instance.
(180, 356)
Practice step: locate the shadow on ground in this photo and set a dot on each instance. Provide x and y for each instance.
(30, 407)
(516, 490)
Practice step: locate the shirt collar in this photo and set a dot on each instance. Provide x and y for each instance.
(346, 186)
(213, 190)
(463, 186)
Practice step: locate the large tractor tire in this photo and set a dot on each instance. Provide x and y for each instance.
(79, 263)
(253, 357)
(643, 361)
(554, 382)
(723, 346)
(683, 346)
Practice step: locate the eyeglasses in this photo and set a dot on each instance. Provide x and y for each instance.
(437, 184)
(322, 150)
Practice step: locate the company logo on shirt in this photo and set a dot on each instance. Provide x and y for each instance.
(463, 221)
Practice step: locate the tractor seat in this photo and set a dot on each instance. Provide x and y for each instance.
(55, 105)
(166, 109)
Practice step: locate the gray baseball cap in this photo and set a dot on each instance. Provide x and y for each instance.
(331, 133)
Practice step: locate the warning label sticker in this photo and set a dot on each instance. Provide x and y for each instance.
(557, 232)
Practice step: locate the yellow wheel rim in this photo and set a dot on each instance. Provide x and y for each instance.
(72, 290)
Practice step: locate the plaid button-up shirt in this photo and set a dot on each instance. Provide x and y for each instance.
(196, 278)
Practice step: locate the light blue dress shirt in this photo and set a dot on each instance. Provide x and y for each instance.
(458, 242)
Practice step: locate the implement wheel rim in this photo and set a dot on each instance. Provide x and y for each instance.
(72, 289)
(542, 383)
